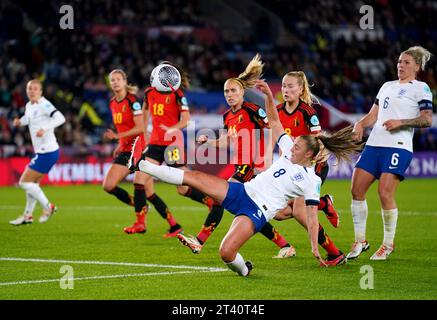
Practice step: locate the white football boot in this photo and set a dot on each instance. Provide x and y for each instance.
(24, 219)
(286, 252)
(383, 252)
(357, 249)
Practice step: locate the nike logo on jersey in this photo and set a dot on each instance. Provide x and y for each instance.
(390, 167)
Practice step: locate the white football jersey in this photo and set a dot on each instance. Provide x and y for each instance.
(42, 115)
(273, 188)
(399, 101)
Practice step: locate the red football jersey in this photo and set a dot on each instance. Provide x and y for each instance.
(302, 121)
(166, 109)
(123, 113)
(240, 126)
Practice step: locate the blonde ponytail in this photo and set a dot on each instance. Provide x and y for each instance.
(420, 55)
(252, 73)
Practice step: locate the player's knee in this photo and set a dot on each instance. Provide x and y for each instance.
(108, 186)
(23, 185)
(357, 193)
(182, 190)
(227, 254)
(385, 195)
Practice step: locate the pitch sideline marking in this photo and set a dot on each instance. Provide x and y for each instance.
(104, 277)
(129, 264)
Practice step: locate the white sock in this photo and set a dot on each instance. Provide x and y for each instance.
(164, 173)
(238, 265)
(30, 204)
(35, 191)
(389, 218)
(359, 216)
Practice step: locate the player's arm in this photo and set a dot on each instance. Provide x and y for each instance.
(221, 142)
(55, 119)
(137, 129)
(183, 122)
(272, 113)
(313, 229)
(367, 121)
(146, 117)
(424, 120)
(20, 122)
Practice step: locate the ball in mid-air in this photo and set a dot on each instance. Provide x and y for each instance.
(165, 78)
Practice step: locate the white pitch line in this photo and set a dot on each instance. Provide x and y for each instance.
(130, 264)
(103, 277)
(105, 208)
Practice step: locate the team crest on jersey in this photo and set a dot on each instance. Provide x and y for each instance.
(298, 177)
(167, 99)
(296, 123)
(402, 92)
(123, 109)
(240, 118)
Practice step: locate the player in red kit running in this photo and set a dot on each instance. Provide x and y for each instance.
(127, 118)
(299, 118)
(244, 123)
(167, 107)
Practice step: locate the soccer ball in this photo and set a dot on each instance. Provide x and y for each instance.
(165, 78)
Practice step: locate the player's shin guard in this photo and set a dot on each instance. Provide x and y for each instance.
(359, 215)
(272, 234)
(30, 204)
(238, 265)
(36, 192)
(162, 209)
(196, 195)
(140, 202)
(390, 218)
(164, 173)
(326, 243)
(212, 221)
(122, 195)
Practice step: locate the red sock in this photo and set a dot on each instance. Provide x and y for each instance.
(204, 234)
(327, 243)
(141, 216)
(170, 219)
(279, 240)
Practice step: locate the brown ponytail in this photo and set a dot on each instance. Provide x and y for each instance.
(340, 144)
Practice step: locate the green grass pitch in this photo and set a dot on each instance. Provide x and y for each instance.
(88, 228)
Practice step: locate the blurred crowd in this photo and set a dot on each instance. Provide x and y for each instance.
(346, 64)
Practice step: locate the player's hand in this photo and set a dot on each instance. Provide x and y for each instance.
(319, 258)
(262, 86)
(116, 151)
(284, 214)
(392, 124)
(166, 128)
(16, 122)
(202, 139)
(110, 135)
(358, 132)
(40, 133)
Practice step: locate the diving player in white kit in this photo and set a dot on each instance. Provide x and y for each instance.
(400, 106)
(257, 201)
(41, 117)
